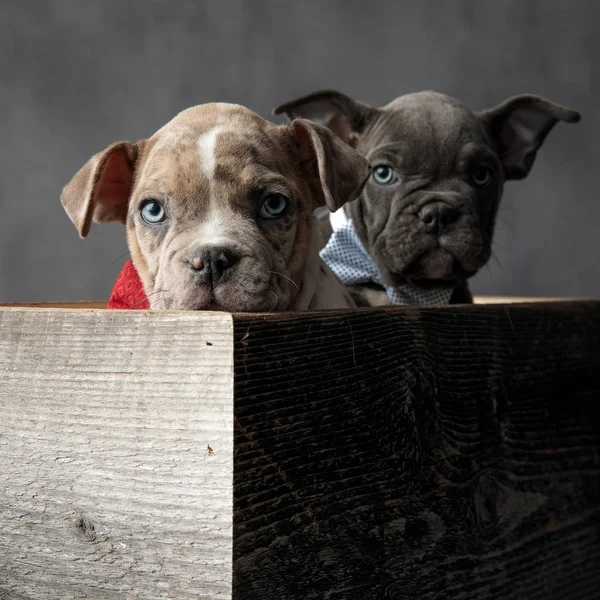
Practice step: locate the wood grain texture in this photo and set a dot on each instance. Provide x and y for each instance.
(521, 299)
(88, 305)
(380, 453)
(448, 453)
(115, 454)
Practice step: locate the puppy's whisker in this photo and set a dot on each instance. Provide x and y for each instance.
(490, 241)
(285, 277)
(161, 303)
(146, 298)
(276, 301)
(141, 293)
(119, 257)
(496, 259)
(512, 229)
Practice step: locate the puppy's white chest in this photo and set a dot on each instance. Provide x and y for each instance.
(338, 219)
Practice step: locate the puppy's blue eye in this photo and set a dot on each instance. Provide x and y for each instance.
(384, 175)
(152, 212)
(273, 206)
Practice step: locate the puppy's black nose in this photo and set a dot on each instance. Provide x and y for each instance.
(436, 217)
(212, 263)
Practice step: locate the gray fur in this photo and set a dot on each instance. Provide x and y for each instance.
(434, 227)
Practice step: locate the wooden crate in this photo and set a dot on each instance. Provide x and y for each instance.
(371, 454)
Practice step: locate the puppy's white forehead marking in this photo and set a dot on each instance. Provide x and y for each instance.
(213, 231)
(207, 142)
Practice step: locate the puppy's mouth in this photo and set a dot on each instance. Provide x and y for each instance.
(211, 305)
(219, 299)
(436, 268)
(234, 295)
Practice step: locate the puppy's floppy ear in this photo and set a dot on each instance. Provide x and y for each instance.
(336, 171)
(344, 116)
(100, 189)
(519, 127)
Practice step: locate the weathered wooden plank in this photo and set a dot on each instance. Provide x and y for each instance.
(83, 304)
(115, 454)
(448, 453)
(520, 299)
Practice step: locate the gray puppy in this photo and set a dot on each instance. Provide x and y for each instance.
(425, 219)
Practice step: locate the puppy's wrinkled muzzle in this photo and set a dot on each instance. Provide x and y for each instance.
(445, 247)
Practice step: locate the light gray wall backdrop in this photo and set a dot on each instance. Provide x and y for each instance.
(76, 75)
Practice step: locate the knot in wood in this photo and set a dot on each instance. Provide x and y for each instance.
(84, 529)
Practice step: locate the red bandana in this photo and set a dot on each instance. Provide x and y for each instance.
(128, 292)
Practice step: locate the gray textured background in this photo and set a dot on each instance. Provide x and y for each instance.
(76, 75)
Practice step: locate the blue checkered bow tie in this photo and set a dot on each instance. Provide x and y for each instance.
(346, 257)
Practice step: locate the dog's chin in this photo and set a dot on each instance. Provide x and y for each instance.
(435, 268)
(194, 299)
(212, 306)
(225, 298)
(438, 264)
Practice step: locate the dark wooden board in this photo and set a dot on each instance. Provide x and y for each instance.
(418, 453)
